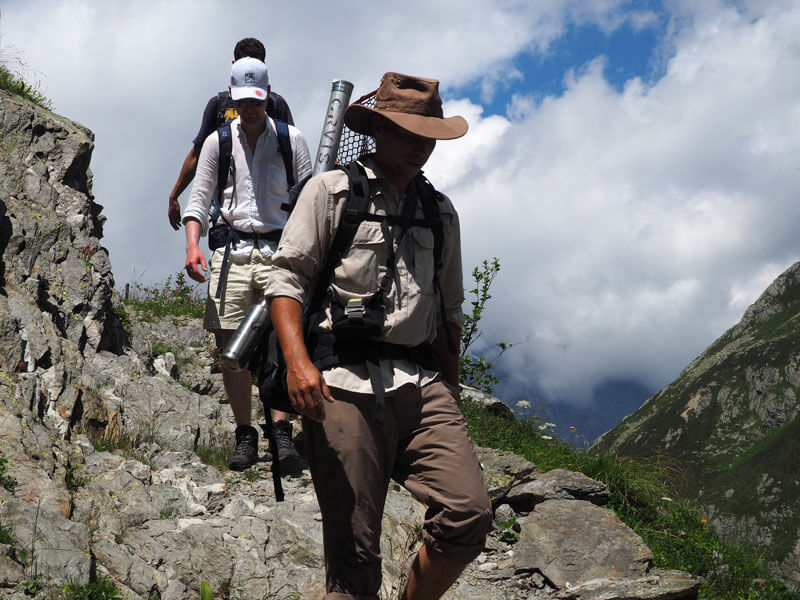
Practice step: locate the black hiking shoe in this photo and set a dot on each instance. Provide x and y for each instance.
(246, 451)
(287, 455)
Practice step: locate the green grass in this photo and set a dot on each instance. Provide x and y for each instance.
(175, 297)
(8, 482)
(215, 455)
(128, 442)
(646, 495)
(17, 86)
(6, 535)
(100, 589)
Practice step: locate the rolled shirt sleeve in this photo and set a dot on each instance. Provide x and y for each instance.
(204, 187)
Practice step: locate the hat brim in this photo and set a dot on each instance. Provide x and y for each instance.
(243, 92)
(358, 118)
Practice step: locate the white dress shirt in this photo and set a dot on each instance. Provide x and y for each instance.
(256, 185)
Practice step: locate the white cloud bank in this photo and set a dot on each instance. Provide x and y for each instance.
(632, 226)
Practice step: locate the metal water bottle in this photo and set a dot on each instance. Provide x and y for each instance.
(239, 350)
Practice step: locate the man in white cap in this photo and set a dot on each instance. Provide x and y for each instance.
(375, 407)
(248, 227)
(220, 109)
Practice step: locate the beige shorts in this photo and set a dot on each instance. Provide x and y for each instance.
(244, 286)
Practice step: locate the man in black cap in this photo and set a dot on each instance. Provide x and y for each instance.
(386, 406)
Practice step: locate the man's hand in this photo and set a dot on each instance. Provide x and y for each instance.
(174, 213)
(186, 175)
(307, 388)
(195, 257)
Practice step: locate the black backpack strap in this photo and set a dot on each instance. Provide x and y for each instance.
(430, 206)
(355, 210)
(223, 169)
(223, 162)
(285, 148)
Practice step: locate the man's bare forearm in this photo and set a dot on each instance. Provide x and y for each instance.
(307, 388)
(188, 169)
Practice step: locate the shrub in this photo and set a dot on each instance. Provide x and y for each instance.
(476, 371)
(177, 297)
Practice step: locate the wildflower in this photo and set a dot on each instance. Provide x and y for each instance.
(572, 427)
(547, 437)
(523, 404)
(703, 521)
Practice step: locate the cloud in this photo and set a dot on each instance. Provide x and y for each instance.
(633, 227)
(633, 223)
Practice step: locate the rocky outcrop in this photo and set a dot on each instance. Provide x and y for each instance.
(104, 417)
(732, 421)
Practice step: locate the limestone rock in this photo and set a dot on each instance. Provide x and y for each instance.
(576, 541)
(558, 484)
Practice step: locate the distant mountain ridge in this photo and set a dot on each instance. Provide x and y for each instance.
(732, 420)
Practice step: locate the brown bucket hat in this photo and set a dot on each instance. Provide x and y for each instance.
(412, 103)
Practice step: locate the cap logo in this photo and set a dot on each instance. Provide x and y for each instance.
(250, 78)
(259, 93)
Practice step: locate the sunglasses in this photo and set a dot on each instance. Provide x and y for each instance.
(250, 103)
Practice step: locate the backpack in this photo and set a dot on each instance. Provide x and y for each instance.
(324, 350)
(226, 111)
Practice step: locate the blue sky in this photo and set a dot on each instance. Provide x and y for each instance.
(629, 53)
(633, 165)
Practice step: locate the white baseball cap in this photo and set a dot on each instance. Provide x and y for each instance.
(249, 79)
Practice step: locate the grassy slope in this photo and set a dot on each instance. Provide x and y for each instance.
(725, 445)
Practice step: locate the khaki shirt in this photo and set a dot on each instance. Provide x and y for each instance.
(412, 305)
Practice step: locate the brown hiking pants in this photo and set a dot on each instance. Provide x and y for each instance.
(424, 445)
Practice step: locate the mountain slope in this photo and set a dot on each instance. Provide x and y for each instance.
(731, 420)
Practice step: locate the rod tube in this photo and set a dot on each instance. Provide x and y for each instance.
(332, 127)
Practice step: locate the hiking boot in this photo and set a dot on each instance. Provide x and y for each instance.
(246, 451)
(283, 435)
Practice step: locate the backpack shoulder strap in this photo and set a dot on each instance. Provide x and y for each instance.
(225, 157)
(355, 210)
(430, 199)
(285, 148)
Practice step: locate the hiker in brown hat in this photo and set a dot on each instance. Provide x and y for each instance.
(377, 378)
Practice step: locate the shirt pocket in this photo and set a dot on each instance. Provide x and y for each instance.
(423, 260)
(364, 263)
